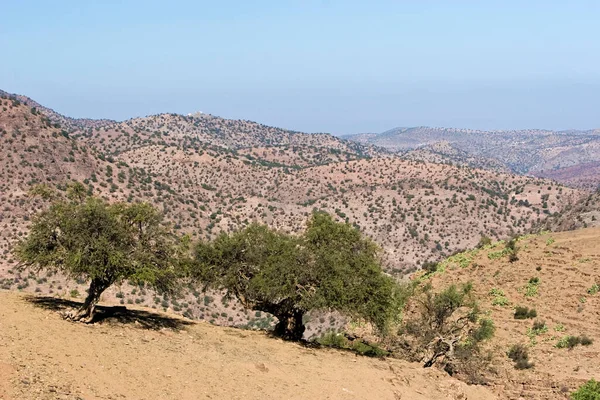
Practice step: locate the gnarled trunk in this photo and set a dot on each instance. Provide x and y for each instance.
(290, 325)
(86, 312)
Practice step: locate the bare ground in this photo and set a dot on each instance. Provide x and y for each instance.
(138, 354)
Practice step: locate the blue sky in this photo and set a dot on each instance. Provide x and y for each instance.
(311, 65)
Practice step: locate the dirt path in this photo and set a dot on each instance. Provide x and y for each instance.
(44, 357)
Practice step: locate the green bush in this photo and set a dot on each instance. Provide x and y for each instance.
(594, 289)
(484, 242)
(531, 289)
(569, 342)
(525, 313)
(499, 298)
(588, 391)
(332, 339)
(368, 349)
(430, 266)
(518, 353)
(339, 341)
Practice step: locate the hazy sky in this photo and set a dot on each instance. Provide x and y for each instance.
(339, 66)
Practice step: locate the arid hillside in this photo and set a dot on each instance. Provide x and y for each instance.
(209, 175)
(557, 275)
(570, 157)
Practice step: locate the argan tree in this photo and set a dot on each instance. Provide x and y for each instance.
(330, 267)
(87, 238)
(445, 328)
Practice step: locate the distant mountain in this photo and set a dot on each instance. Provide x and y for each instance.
(562, 155)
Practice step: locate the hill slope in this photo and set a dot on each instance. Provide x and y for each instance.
(44, 357)
(416, 211)
(567, 265)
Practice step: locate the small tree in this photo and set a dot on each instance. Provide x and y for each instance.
(445, 327)
(87, 238)
(331, 266)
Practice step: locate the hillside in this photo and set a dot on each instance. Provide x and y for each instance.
(582, 214)
(567, 265)
(416, 211)
(141, 355)
(570, 157)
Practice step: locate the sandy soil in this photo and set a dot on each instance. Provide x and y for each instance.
(140, 355)
(567, 265)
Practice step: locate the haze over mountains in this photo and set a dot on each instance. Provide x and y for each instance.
(571, 157)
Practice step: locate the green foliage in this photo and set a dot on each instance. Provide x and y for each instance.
(89, 239)
(524, 313)
(339, 341)
(485, 241)
(333, 339)
(531, 289)
(594, 289)
(447, 326)
(331, 266)
(512, 249)
(518, 353)
(569, 342)
(430, 267)
(588, 391)
(538, 328)
(498, 297)
(462, 260)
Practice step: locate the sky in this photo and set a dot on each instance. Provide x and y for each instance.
(333, 66)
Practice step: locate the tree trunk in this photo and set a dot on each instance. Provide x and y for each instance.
(290, 325)
(86, 312)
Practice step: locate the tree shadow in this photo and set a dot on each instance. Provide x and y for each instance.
(113, 315)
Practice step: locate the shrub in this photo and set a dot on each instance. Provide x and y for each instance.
(518, 353)
(594, 289)
(499, 299)
(339, 341)
(430, 266)
(531, 289)
(569, 342)
(525, 313)
(538, 328)
(585, 341)
(368, 349)
(446, 329)
(484, 241)
(588, 391)
(512, 249)
(333, 339)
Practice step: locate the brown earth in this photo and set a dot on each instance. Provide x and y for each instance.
(567, 265)
(141, 355)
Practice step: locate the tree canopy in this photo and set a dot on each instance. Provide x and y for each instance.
(330, 267)
(88, 238)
